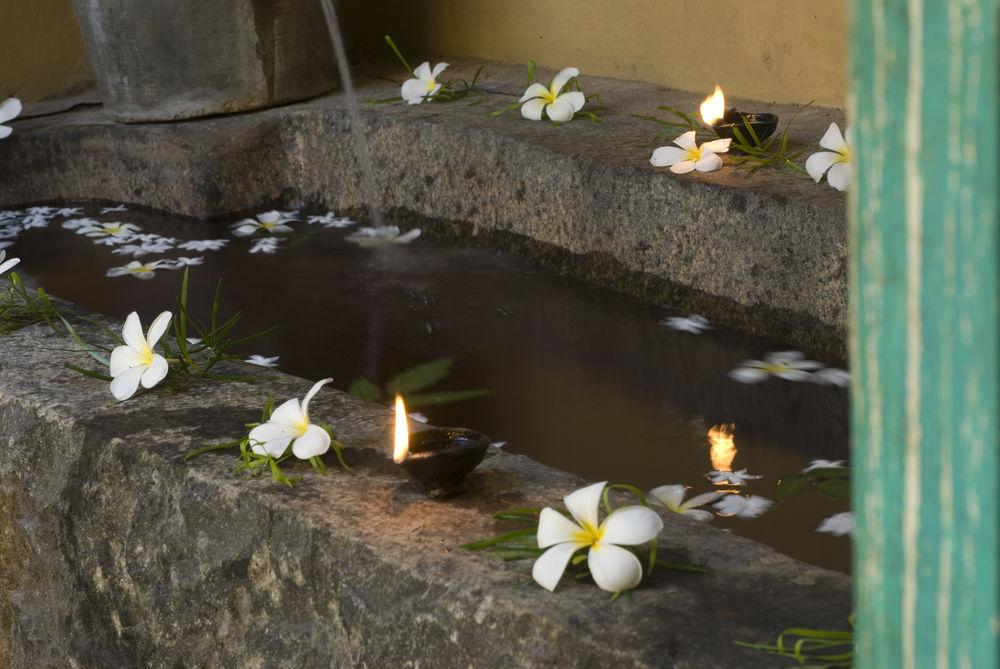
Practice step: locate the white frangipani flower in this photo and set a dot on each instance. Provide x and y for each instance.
(289, 424)
(264, 245)
(139, 270)
(836, 162)
(116, 208)
(269, 221)
(9, 110)
(34, 221)
(425, 84)
(203, 244)
(45, 212)
(139, 250)
(558, 106)
(184, 261)
(262, 361)
(330, 220)
(743, 507)
(694, 324)
(7, 265)
(10, 215)
(136, 362)
(119, 231)
(67, 212)
(823, 464)
(739, 477)
(672, 497)
(389, 234)
(77, 223)
(613, 568)
(839, 524)
(688, 156)
(788, 365)
(831, 376)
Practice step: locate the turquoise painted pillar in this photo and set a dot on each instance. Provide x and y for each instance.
(925, 339)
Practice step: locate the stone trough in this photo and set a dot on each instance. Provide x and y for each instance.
(117, 553)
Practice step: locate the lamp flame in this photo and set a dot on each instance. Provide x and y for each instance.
(402, 448)
(723, 447)
(714, 107)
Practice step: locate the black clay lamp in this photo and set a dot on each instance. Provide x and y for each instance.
(722, 120)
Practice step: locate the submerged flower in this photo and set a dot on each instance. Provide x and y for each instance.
(788, 365)
(330, 220)
(388, 234)
(265, 245)
(835, 163)
(694, 324)
(739, 477)
(35, 221)
(612, 567)
(823, 464)
(6, 265)
(425, 85)
(838, 524)
(672, 497)
(831, 376)
(9, 110)
(66, 212)
(558, 106)
(269, 221)
(139, 250)
(138, 269)
(289, 424)
(135, 362)
(45, 212)
(77, 223)
(111, 210)
(203, 244)
(184, 261)
(261, 361)
(743, 507)
(689, 156)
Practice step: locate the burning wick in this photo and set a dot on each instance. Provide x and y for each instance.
(402, 448)
(723, 121)
(714, 107)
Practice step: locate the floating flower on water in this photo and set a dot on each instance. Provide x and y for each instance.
(135, 362)
(261, 361)
(140, 270)
(558, 106)
(10, 215)
(788, 365)
(77, 223)
(269, 221)
(688, 156)
(184, 261)
(835, 163)
(139, 250)
(289, 424)
(672, 497)
(7, 265)
(425, 85)
(832, 376)
(67, 212)
(119, 231)
(116, 208)
(613, 568)
(824, 464)
(9, 110)
(743, 507)
(45, 212)
(839, 524)
(739, 477)
(388, 234)
(35, 221)
(331, 220)
(694, 324)
(265, 245)
(203, 244)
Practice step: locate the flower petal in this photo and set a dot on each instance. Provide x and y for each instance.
(549, 568)
(561, 79)
(314, 442)
(4, 266)
(584, 504)
(669, 496)
(840, 176)
(5, 131)
(575, 98)
(288, 413)
(10, 109)
(709, 162)
(413, 91)
(631, 525)
(245, 230)
(699, 515)
(686, 141)
(125, 384)
(717, 145)
(312, 393)
(560, 111)
(699, 500)
(665, 156)
(155, 372)
(534, 91)
(613, 568)
(269, 431)
(423, 72)
(818, 163)
(748, 375)
(438, 69)
(682, 167)
(124, 358)
(532, 109)
(132, 333)
(832, 139)
(158, 327)
(555, 528)
(275, 447)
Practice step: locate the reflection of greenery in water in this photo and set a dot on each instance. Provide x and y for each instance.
(813, 649)
(833, 481)
(414, 386)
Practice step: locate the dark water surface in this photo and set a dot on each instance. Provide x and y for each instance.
(584, 379)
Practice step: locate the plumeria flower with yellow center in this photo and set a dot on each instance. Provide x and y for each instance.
(115, 230)
(613, 568)
(558, 106)
(688, 156)
(289, 424)
(269, 221)
(672, 497)
(7, 265)
(425, 84)
(9, 110)
(836, 162)
(788, 365)
(743, 507)
(140, 270)
(135, 363)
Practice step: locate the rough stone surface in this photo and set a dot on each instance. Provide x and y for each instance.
(116, 553)
(762, 251)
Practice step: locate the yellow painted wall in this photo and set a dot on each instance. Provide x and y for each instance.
(775, 50)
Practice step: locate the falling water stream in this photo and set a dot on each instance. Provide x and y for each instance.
(361, 148)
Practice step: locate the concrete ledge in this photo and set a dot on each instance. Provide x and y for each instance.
(765, 252)
(118, 554)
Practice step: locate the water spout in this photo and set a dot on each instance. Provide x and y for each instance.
(361, 148)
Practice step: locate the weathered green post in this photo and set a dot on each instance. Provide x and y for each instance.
(925, 342)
